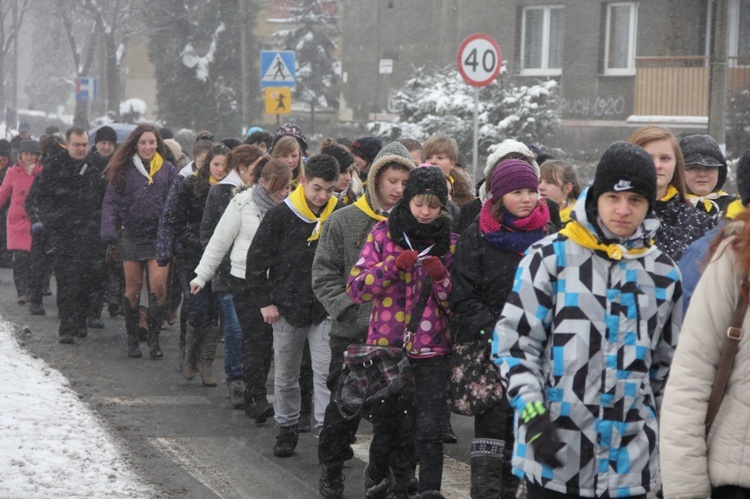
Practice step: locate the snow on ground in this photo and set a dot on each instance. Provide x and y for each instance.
(51, 443)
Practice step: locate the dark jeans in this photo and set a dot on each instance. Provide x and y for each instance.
(421, 423)
(257, 342)
(22, 272)
(201, 309)
(730, 492)
(337, 432)
(74, 289)
(534, 491)
(41, 265)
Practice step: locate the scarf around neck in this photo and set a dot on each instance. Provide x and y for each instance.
(298, 204)
(154, 166)
(262, 200)
(364, 205)
(633, 248)
(402, 224)
(513, 234)
(707, 200)
(671, 192)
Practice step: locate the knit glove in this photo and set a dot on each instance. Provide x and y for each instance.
(542, 432)
(435, 268)
(406, 260)
(486, 333)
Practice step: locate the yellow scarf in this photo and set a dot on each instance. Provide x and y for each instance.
(706, 200)
(363, 205)
(734, 209)
(154, 166)
(578, 233)
(565, 212)
(298, 204)
(671, 192)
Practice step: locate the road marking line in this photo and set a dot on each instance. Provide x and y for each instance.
(157, 400)
(456, 482)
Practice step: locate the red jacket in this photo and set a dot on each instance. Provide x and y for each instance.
(16, 186)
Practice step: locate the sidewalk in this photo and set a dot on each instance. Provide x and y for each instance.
(52, 444)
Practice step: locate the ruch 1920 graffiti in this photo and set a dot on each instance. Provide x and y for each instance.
(596, 107)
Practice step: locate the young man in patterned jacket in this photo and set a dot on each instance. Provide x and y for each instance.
(586, 339)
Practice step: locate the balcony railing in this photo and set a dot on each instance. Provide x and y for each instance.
(679, 86)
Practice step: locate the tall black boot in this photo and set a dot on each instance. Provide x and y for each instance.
(155, 317)
(132, 316)
(486, 459)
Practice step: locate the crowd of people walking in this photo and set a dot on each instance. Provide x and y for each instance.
(573, 295)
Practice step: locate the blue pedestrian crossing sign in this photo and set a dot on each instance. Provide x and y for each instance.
(277, 68)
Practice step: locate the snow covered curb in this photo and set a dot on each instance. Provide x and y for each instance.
(52, 444)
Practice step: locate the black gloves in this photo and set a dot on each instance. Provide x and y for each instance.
(542, 432)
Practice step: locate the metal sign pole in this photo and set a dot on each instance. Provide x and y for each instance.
(476, 132)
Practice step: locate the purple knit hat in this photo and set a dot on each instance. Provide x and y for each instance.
(511, 175)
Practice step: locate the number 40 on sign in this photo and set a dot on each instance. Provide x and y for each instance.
(479, 60)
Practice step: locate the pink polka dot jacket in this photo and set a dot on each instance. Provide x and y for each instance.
(394, 295)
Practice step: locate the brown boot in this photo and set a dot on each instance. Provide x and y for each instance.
(207, 354)
(193, 337)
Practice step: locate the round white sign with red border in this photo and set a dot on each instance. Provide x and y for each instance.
(479, 60)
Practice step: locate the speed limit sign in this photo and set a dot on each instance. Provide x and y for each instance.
(479, 60)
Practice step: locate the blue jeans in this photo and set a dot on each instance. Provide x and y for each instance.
(232, 338)
(202, 309)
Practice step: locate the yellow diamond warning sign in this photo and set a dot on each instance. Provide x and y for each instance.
(278, 100)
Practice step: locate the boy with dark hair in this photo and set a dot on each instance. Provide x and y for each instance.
(261, 138)
(278, 275)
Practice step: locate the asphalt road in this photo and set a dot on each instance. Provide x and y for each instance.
(185, 438)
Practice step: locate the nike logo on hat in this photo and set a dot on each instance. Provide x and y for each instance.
(623, 185)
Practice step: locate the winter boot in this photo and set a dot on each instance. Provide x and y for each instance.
(486, 461)
(131, 327)
(331, 483)
(286, 442)
(193, 337)
(449, 437)
(155, 316)
(374, 488)
(207, 354)
(258, 408)
(237, 394)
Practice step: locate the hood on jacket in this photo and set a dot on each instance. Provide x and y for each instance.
(506, 147)
(589, 220)
(395, 152)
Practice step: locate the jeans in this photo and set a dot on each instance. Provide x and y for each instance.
(73, 291)
(22, 272)
(420, 422)
(337, 432)
(534, 491)
(288, 345)
(257, 345)
(201, 309)
(232, 338)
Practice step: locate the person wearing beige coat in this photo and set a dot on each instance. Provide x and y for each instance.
(694, 465)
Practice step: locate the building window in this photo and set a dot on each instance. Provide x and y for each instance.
(542, 32)
(619, 48)
(739, 32)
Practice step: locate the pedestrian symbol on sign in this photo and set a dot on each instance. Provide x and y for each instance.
(277, 68)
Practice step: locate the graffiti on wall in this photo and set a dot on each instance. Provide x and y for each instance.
(597, 107)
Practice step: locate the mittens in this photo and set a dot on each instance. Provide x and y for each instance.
(542, 432)
(37, 229)
(406, 260)
(435, 268)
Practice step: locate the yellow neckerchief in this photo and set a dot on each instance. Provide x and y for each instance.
(734, 209)
(671, 192)
(578, 233)
(213, 180)
(298, 204)
(154, 166)
(706, 200)
(565, 212)
(363, 205)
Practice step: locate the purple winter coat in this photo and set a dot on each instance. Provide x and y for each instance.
(395, 293)
(134, 205)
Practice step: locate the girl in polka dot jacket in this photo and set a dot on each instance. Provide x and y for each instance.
(414, 248)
